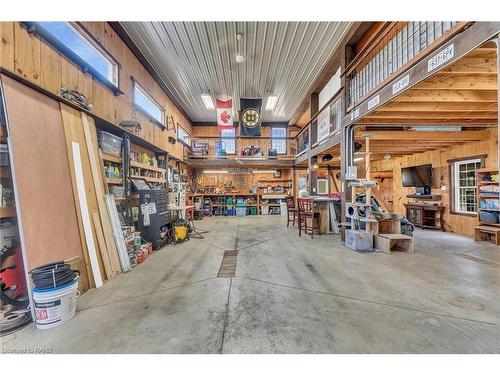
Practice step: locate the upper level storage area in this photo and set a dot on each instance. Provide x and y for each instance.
(387, 49)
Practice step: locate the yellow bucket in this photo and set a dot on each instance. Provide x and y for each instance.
(180, 232)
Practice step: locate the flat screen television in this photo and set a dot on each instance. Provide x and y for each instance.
(420, 175)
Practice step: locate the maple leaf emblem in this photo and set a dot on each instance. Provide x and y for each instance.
(224, 116)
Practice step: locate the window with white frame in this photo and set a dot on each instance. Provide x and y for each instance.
(279, 144)
(145, 103)
(75, 39)
(465, 185)
(182, 135)
(228, 138)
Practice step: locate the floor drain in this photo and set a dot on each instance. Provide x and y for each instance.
(228, 264)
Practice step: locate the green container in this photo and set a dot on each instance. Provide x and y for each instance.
(229, 201)
(253, 210)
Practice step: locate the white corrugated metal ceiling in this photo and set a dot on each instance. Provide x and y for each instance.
(282, 58)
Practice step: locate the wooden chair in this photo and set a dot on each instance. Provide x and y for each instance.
(306, 211)
(291, 210)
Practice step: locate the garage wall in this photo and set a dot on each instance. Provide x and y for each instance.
(33, 59)
(439, 159)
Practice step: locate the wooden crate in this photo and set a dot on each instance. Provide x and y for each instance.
(393, 242)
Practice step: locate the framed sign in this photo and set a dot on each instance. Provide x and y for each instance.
(322, 186)
(323, 124)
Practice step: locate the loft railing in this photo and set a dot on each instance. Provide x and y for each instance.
(334, 112)
(401, 44)
(242, 148)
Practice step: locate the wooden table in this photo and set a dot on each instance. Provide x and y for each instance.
(425, 215)
(325, 209)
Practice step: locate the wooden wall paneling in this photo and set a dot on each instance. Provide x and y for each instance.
(50, 68)
(439, 159)
(34, 59)
(45, 198)
(7, 45)
(90, 132)
(74, 133)
(26, 54)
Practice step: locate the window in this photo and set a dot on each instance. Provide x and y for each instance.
(464, 185)
(228, 140)
(279, 144)
(182, 135)
(148, 105)
(76, 40)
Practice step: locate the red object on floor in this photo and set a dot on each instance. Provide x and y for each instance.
(14, 274)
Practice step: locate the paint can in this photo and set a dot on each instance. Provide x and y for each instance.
(55, 306)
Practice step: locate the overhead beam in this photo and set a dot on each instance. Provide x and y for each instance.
(439, 107)
(435, 115)
(426, 121)
(450, 82)
(428, 136)
(471, 65)
(448, 96)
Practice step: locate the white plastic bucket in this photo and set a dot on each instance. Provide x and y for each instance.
(55, 306)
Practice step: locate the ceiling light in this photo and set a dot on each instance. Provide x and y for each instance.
(358, 159)
(220, 171)
(263, 171)
(207, 100)
(387, 156)
(240, 59)
(271, 102)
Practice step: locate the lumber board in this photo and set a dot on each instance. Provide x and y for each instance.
(91, 143)
(82, 199)
(50, 68)
(74, 133)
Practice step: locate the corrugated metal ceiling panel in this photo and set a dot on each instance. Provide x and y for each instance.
(282, 58)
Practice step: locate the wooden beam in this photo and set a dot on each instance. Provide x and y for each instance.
(439, 107)
(448, 96)
(430, 135)
(426, 121)
(461, 82)
(471, 65)
(435, 115)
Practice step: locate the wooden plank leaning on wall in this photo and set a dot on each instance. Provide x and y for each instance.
(45, 200)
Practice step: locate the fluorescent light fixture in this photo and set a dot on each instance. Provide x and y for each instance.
(263, 171)
(219, 171)
(207, 100)
(271, 102)
(358, 159)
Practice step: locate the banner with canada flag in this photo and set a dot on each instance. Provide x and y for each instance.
(224, 114)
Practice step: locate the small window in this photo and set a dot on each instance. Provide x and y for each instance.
(182, 135)
(148, 105)
(72, 37)
(228, 140)
(279, 144)
(465, 186)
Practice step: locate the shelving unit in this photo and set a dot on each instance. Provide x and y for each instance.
(480, 174)
(487, 230)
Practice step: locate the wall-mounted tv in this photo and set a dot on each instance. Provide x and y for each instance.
(420, 175)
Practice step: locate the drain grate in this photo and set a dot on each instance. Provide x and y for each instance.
(228, 264)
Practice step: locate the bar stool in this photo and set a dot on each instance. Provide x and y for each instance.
(306, 211)
(291, 210)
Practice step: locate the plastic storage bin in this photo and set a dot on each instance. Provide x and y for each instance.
(230, 211)
(110, 143)
(117, 191)
(252, 210)
(241, 211)
(488, 217)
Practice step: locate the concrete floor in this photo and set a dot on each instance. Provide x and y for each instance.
(290, 295)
